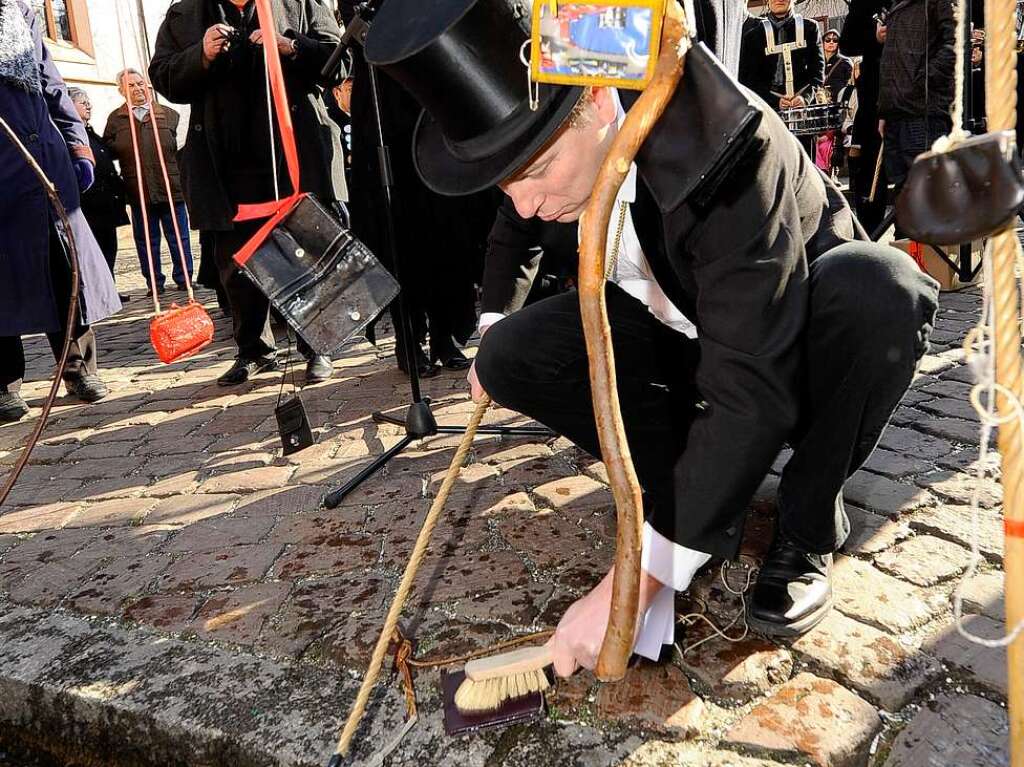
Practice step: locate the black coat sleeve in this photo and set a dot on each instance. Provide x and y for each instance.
(942, 63)
(752, 295)
(176, 70)
(513, 257)
(858, 35)
(815, 56)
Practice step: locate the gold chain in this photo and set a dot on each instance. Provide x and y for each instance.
(609, 270)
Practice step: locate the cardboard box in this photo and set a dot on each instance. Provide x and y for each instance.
(937, 267)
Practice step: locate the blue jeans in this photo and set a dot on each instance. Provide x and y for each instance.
(160, 216)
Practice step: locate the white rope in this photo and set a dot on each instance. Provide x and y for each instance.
(979, 346)
(270, 122)
(692, 618)
(957, 134)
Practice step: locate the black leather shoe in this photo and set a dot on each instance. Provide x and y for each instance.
(243, 369)
(455, 360)
(424, 367)
(793, 593)
(318, 368)
(88, 387)
(12, 407)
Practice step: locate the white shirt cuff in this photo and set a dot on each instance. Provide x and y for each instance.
(489, 318)
(667, 561)
(675, 566)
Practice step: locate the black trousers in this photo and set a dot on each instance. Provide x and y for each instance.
(81, 353)
(250, 309)
(106, 237)
(535, 362)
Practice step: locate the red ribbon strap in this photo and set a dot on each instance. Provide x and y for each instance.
(1014, 528)
(276, 209)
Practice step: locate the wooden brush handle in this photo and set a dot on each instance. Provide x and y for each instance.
(640, 120)
(509, 664)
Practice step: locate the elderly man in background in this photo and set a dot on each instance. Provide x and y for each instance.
(35, 270)
(160, 211)
(209, 54)
(104, 204)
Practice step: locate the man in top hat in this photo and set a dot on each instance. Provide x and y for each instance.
(747, 309)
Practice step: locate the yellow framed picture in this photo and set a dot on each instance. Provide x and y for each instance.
(596, 44)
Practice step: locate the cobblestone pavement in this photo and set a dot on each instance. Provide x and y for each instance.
(167, 510)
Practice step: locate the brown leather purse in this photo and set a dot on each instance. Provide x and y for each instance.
(969, 192)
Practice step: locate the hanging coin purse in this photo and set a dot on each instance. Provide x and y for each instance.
(968, 192)
(325, 283)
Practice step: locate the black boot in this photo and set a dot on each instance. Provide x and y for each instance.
(243, 369)
(12, 406)
(793, 593)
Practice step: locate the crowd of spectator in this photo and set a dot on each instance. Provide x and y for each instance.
(888, 68)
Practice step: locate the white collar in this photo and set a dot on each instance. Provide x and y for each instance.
(627, 192)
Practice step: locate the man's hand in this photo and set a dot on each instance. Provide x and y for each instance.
(797, 101)
(577, 640)
(881, 128)
(215, 42)
(285, 45)
(475, 389)
(880, 30)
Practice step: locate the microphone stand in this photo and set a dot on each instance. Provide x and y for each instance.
(419, 420)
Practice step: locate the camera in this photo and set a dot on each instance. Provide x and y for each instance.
(234, 37)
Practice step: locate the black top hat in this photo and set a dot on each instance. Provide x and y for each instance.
(461, 60)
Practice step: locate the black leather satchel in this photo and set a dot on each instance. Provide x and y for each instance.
(969, 192)
(325, 283)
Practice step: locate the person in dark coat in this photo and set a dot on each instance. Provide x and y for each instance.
(838, 68)
(161, 213)
(209, 54)
(35, 270)
(767, 43)
(860, 37)
(435, 235)
(801, 331)
(915, 81)
(104, 204)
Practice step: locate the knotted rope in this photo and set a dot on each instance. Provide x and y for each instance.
(405, 585)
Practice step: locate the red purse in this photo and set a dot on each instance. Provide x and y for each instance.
(180, 331)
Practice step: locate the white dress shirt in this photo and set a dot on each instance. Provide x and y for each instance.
(667, 561)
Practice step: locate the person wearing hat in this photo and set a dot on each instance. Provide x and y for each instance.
(747, 308)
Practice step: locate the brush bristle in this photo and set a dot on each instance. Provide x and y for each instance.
(488, 695)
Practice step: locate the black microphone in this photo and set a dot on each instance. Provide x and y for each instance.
(355, 32)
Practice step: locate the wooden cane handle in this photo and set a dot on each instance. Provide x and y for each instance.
(618, 640)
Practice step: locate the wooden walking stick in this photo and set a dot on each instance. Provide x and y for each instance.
(1001, 85)
(618, 640)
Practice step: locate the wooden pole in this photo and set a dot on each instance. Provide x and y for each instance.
(1001, 86)
(618, 639)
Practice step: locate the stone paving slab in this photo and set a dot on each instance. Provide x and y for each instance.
(961, 730)
(161, 526)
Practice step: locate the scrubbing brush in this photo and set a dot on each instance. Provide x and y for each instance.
(490, 682)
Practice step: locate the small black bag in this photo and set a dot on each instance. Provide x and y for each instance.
(972, 191)
(325, 283)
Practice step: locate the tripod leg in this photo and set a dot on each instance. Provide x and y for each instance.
(331, 500)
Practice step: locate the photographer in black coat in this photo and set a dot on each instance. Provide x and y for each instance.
(209, 54)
